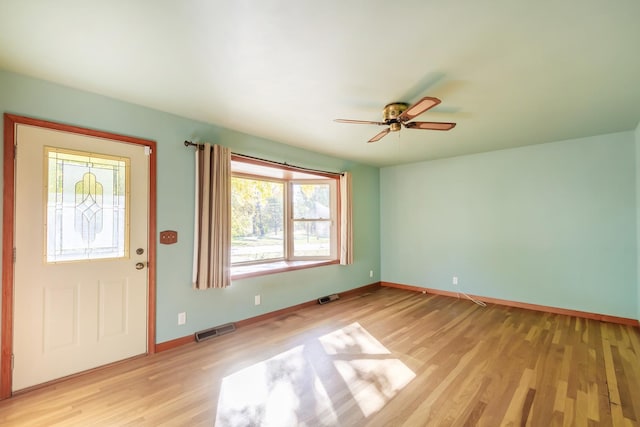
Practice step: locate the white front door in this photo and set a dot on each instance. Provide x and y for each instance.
(80, 278)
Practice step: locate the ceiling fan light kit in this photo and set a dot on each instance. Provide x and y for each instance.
(398, 114)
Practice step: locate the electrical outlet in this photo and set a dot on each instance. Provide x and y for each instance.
(370, 273)
(455, 280)
(256, 300)
(182, 318)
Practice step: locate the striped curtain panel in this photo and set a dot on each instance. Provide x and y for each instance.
(346, 228)
(212, 239)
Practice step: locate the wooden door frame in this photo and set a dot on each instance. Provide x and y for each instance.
(8, 242)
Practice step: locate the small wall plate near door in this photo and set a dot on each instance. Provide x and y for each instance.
(168, 237)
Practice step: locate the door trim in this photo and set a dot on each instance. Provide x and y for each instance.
(8, 222)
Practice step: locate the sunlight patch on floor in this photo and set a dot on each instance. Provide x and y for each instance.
(269, 393)
(286, 389)
(372, 380)
(352, 339)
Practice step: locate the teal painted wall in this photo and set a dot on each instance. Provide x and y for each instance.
(35, 98)
(637, 137)
(551, 224)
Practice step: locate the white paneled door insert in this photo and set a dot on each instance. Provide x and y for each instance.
(81, 277)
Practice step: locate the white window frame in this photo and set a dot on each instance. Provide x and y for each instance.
(266, 171)
(333, 219)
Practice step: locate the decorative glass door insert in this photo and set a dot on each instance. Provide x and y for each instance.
(87, 206)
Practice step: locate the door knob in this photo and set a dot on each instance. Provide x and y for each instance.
(139, 266)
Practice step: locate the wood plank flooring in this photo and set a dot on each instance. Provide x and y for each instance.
(387, 358)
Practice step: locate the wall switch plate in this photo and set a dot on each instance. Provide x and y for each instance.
(182, 318)
(370, 273)
(256, 300)
(455, 280)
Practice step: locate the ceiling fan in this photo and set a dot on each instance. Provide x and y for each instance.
(398, 114)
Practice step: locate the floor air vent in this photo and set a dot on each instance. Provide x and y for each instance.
(328, 298)
(215, 332)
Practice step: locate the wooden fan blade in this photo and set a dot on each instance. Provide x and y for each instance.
(430, 125)
(359, 122)
(381, 135)
(418, 108)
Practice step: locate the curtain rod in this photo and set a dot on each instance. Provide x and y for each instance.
(201, 147)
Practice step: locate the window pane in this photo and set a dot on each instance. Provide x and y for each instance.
(311, 201)
(86, 206)
(257, 212)
(312, 238)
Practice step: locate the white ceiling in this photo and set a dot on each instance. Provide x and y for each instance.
(509, 72)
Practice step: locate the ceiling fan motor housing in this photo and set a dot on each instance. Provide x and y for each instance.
(391, 113)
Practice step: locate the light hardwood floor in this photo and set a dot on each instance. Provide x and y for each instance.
(387, 358)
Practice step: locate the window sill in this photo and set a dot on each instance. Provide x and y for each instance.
(253, 270)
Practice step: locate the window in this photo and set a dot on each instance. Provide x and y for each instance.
(312, 218)
(87, 206)
(281, 215)
(257, 214)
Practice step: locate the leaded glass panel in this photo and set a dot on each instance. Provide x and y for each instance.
(87, 206)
